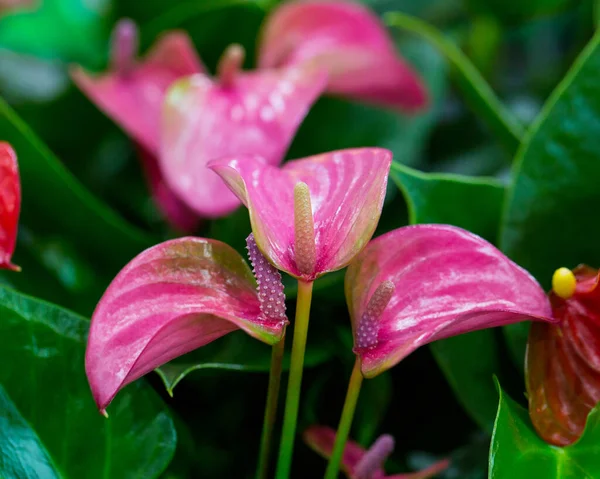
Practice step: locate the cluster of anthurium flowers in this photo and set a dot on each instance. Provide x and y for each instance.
(181, 118)
(217, 143)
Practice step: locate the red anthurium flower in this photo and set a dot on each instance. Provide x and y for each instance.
(358, 463)
(132, 93)
(312, 215)
(10, 204)
(176, 297)
(350, 43)
(563, 359)
(422, 283)
(237, 113)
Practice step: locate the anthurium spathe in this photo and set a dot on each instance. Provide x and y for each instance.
(173, 298)
(313, 215)
(236, 113)
(563, 359)
(347, 41)
(132, 93)
(422, 283)
(360, 463)
(10, 205)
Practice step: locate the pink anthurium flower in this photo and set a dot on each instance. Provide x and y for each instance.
(176, 297)
(313, 215)
(358, 463)
(422, 283)
(132, 93)
(10, 205)
(347, 41)
(236, 113)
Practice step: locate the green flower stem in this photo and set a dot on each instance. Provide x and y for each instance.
(270, 409)
(292, 399)
(345, 422)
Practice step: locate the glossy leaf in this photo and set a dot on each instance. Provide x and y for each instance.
(108, 238)
(434, 269)
(517, 452)
(347, 189)
(52, 410)
(563, 363)
(251, 113)
(347, 41)
(171, 299)
(474, 204)
(22, 454)
(238, 352)
(475, 88)
(10, 204)
(555, 177)
(39, 30)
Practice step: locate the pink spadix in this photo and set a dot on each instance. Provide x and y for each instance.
(366, 333)
(375, 457)
(270, 287)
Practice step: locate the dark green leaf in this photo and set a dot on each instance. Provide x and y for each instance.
(476, 90)
(43, 372)
(22, 454)
(471, 203)
(517, 452)
(550, 219)
(468, 361)
(515, 10)
(40, 30)
(237, 352)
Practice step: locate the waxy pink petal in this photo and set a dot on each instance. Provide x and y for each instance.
(10, 205)
(347, 189)
(447, 282)
(347, 41)
(204, 120)
(132, 93)
(171, 299)
(321, 440)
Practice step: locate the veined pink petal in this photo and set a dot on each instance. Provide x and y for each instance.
(257, 114)
(321, 440)
(169, 300)
(132, 92)
(10, 205)
(349, 42)
(447, 282)
(347, 189)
